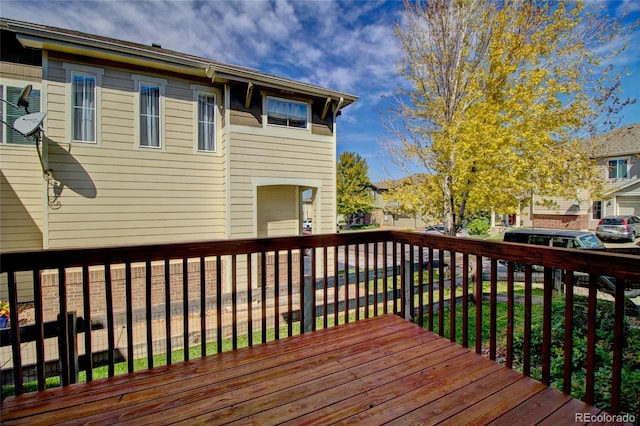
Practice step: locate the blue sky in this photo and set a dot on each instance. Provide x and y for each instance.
(342, 45)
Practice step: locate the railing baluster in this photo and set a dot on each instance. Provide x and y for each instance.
(86, 292)
(441, 274)
(234, 302)
(346, 283)
(526, 347)
(465, 300)
(336, 287)
(568, 333)
(311, 293)
(63, 337)
(290, 297)
(302, 293)
(411, 282)
(263, 285)
(395, 277)
(325, 286)
(219, 303)
(203, 307)
(39, 319)
(357, 280)
(185, 308)
(385, 278)
(129, 307)
(618, 343)
(546, 326)
(421, 285)
(167, 310)
(375, 279)
(276, 294)
(148, 316)
(591, 339)
(249, 301)
(452, 307)
(493, 310)
(366, 280)
(403, 281)
(479, 300)
(108, 290)
(18, 376)
(510, 315)
(431, 289)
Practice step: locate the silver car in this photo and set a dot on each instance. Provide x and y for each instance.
(625, 227)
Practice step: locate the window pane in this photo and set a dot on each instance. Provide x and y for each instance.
(11, 114)
(206, 122)
(618, 169)
(149, 115)
(84, 108)
(287, 113)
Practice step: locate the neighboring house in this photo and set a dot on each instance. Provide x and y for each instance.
(148, 145)
(618, 157)
(386, 212)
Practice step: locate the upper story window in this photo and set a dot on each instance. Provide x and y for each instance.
(206, 122)
(82, 119)
(619, 168)
(288, 113)
(148, 110)
(83, 105)
(150, 115)
(9, 114)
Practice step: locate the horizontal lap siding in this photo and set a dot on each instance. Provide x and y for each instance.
(21, 183)
(290, 156)
(115, 192)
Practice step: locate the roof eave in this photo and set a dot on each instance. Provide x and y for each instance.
(49, 39)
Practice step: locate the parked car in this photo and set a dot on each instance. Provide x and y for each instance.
(307, 225)
(439, 229)
(555, 238)
(626, 227)
(582, 240)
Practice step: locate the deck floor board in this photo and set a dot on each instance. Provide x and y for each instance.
(374, 371)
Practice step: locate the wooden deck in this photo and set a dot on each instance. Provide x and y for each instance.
(374, 371)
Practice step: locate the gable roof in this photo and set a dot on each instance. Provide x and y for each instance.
(622, 141)
(57, 39)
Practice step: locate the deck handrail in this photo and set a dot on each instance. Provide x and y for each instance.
(263, 279)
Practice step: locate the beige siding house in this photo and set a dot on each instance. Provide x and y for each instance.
(148, 145)
(618, 156)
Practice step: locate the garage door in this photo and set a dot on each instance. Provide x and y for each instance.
(629, 205)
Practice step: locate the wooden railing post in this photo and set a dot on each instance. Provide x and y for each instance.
(406, 290)
(68, 349)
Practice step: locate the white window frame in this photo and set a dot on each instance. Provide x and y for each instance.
(208, 91)
(5, 82)
(624, 159)
(71, 70)
(161, 83)
(266, 98)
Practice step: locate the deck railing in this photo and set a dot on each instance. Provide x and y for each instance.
(139, 307)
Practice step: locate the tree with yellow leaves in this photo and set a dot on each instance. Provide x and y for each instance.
(502, 97)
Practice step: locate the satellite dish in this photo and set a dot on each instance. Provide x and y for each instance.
(23, 101)
(30, 123)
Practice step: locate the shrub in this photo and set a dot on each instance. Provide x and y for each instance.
(479, 226)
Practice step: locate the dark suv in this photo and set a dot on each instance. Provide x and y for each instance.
(626, 227)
